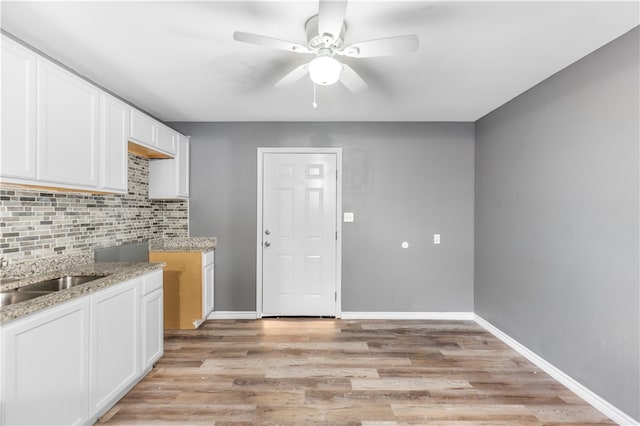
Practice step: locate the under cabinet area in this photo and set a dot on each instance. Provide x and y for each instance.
(188, 287)
(75, 360)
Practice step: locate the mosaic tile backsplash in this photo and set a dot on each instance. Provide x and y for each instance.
(38, 224)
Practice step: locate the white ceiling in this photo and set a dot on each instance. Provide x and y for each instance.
(178, 60)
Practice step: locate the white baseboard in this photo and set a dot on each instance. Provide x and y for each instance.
(409, 315)
(232, 315)
(583, 392)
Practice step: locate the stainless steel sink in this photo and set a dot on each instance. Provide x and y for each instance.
(14, 296)
(61, 283)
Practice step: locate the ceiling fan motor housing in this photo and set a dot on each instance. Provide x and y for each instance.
(317, 41)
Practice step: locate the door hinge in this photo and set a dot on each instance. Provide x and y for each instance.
(336, 235)
(336, 296)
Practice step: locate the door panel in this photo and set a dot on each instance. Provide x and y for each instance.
(299, 234)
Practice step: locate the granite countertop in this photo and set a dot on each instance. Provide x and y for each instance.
(185, 244)
(113, 272)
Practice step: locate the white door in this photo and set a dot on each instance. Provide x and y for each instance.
(299, 234)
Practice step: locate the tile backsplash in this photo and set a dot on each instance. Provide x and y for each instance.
(38, 224)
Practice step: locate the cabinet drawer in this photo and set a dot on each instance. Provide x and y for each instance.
(151, 282)
(207, 258)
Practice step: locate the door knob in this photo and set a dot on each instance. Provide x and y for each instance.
(267, 243)
(267, 232)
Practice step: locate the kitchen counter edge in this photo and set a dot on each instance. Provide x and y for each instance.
(117, 272)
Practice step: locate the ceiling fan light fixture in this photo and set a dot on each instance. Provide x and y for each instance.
(324, 70)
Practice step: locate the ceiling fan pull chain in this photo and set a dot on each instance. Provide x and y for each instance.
(315, 105)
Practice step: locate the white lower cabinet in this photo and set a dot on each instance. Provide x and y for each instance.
(207, 283)
(151, 312)
(70, 363)
(115, 334)
(45, 367)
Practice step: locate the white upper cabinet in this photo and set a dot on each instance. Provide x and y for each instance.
(60, 131)
(157, 140)
(114, 131)
(167, 139)
(169, 179)
(18, 140)
(68, 128)
(143, 129)
(184, 147)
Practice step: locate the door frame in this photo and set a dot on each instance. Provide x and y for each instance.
(259, 251)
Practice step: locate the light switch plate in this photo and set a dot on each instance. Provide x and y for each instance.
(436, 238)
(348, 216)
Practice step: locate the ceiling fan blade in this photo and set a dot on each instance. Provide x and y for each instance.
(382, 47)
(293, 76)
(352, 79)
(270, 42)
(331, 16)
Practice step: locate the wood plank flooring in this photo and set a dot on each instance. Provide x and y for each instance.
(327, 371)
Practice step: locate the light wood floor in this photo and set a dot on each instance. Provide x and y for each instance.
(326, 371)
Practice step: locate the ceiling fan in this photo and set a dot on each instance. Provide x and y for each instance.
(325, 39)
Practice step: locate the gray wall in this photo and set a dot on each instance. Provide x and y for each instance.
(556, 248)
(404, 181)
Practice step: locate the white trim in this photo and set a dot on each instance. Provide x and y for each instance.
(573, 385)
(296, 150)
(260, 156)
(462, 316)
(218, 315)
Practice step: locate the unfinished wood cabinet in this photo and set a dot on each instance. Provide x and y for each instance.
(188, 287)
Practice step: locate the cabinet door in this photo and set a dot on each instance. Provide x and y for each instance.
(113, 140)
(207, 290)
(18, 140)
(68, 128)
(166, 139)
(114, 359)
(152, 328)
(45, 366)
(143, 129)
(182, 173)
(169, 178)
